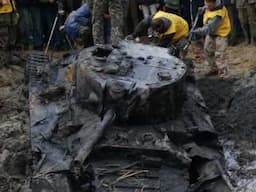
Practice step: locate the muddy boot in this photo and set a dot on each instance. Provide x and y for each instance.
(246, 32)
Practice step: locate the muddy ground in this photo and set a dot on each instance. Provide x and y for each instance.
(238, 143)
(233, 116)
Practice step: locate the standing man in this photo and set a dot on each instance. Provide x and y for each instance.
(8, 23)
(252, 20)
(242, 8)
(216, 29)
(236, 30)
(48, 13)
(101, 10)
(247, 15)
(30, 19)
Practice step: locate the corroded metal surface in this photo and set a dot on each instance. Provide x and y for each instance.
(124, 119)
(131, 79)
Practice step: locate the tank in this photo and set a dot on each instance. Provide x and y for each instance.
(121, 119)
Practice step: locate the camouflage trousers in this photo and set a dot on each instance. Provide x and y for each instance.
(115, 8)
(214, 48)
(252, 21)
(247, 17)
(181, 45)
(8, 24)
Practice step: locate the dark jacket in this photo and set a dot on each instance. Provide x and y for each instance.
(78, 18)
(23, 3)
(69, 5)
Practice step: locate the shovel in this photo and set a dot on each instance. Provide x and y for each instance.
(190, 34)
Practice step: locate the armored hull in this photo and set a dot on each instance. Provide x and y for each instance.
(123, 119)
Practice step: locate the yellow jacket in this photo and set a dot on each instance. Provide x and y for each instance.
(224, 27)
(7, 6)
(179, 27)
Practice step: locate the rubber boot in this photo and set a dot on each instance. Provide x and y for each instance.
(246, 32)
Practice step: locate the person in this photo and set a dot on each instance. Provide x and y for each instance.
(172, 29)
(242, 8)
(216, 28)
(236, 30)
(67, 6)
(8, 22)
(48, 10)
(78, 25)
(103, 9)
(30, 17)
(247, 16)
(252, 20)
(148, 11)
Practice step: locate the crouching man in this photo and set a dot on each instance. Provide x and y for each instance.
(78, 26)
(172, 29)
(216, 29)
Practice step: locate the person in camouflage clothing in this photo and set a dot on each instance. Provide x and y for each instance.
(252, 19)
(8, 22)
(113, 8)
(247, 15)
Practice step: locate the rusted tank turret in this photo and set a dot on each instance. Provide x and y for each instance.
(139, 82)
(120, 119)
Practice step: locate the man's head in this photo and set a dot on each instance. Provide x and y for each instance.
(160, 25)
(210, 4)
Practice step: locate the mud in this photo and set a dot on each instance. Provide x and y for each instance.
(216, 93)
(231, 103)
(14, 139)
(241, 107)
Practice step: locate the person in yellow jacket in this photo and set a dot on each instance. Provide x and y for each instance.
(172, 29)
(216, 28)
(8, 21)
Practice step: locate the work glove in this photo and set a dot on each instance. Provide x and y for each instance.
(173, 50)
(196, 34)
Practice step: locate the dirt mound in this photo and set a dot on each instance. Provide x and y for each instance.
(231, 104)
(216, 92)
(240, 59)
(242, 107)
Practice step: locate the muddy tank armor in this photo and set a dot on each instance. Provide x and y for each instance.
(124, 119)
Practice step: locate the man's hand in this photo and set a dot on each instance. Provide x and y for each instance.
(173, 50)
(195, 34)
(129, 37)
(51, 1)
(201, 10)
